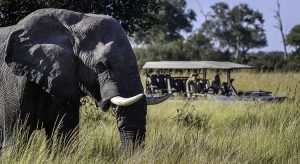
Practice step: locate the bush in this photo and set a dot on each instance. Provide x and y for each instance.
(90, 113)
(192, 118)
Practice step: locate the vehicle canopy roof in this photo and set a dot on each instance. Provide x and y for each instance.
(194, 65)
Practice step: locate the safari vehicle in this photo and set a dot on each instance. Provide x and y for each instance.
(189, 79)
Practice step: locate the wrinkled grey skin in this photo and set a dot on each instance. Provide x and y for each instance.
(53, 57)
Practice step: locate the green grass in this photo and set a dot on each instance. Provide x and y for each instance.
(178, 131)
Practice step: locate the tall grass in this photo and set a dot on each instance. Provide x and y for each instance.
(180, 131)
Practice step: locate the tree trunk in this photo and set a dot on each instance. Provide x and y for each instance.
(279, 26)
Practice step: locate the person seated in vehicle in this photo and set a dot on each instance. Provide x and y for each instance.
(205, 85)
(225, 89)
(152, 83)
(216, 84)
(179, 85)
(148, 83)
(176, 85)
(195, 83)
(162, 83)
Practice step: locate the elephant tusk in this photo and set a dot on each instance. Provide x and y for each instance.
(121, 101)
(157, 100)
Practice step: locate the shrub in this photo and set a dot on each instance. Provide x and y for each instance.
(90, 113)
(192, 118)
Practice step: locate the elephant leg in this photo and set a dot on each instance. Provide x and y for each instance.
(41, 110)
(11, 98)
(60, 117)
(2, 124)
(131, 123)
(7, 124)
(29, 105)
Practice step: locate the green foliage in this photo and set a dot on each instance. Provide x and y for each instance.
(270, 61)
(196, 47)
(90, 113)
(293, 38)
(173, 18)
(133, 15)
(237, 30)
(295, 56)
(170, 51)
(225, 32)
(189, 117)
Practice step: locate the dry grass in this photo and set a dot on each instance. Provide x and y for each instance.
(178, 131)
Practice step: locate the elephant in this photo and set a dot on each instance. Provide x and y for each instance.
(52, 57)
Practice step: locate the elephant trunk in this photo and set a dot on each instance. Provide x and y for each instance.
(157, 100)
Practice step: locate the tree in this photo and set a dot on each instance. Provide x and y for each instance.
(293, 37)
(195, 47)
(235, 30)
(279, 26)
(134, 15)
(165, 40)
(173, 18)
(198, 47)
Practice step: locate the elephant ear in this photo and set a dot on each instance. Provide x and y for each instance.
(41, 48)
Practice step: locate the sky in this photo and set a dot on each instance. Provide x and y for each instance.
(290, 13)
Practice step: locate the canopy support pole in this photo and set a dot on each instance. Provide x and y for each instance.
(228, 76)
